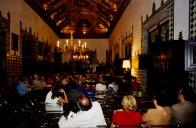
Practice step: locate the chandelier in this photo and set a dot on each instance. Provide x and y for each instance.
(75, 48)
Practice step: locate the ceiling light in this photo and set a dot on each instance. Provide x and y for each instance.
(78, 50)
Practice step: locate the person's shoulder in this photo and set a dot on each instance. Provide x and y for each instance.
(191, 105)
(119, 110)
(21, 84)
(96, 103)
(131, 112)
(176, 107)
(151, 110)
(49, 94)
(167, 107)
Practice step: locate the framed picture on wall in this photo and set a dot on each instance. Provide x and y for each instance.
(127, 44)
(128, 51)
(14, 45)
(190, 55)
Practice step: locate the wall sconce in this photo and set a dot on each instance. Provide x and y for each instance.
(126, 64)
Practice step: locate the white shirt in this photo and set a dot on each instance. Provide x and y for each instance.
(100, 87)
(91, 118)
(52, 104)
(114, 86)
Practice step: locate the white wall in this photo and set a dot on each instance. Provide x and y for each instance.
(138, 8)
(132, 16)
(20, 11)
(101, 45)
(181, 18)
(14, 8)
(32, 19)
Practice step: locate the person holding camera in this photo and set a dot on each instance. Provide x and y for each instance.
(55, 99)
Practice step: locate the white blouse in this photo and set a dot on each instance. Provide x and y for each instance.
(52, 105)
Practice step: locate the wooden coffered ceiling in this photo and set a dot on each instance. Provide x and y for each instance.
(87, 18)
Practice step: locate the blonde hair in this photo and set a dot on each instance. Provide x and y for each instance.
(129, 102)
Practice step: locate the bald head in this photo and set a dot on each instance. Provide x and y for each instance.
(84, 102)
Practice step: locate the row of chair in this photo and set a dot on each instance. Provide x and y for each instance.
(25, 112)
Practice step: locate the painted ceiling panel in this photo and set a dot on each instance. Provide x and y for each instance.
(87, 18)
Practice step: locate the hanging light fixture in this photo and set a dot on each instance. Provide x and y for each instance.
(75, 48)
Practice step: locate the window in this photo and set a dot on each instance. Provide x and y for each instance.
(190, 55)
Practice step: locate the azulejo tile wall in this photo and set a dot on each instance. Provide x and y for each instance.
(192, 20)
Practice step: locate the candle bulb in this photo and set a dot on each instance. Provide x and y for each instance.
(74, 48)
(82, 47)
(58, 43)
(85, 45)
(79, 42)
(67, 42)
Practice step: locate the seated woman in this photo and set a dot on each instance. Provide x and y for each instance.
(161, 114)
(127, 116)
(55, 99)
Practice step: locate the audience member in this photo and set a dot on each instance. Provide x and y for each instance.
(135, 86)
(49, 81)
(42, 83)
(36, 81)
(89, 115)
(127, 116)
(22, 86)
(10, 88)
(100, 87)
(55, 99)
(65, 81)
(57, 78)
(73, 93)
(183, 113)
(113, 86)
(161, 114)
